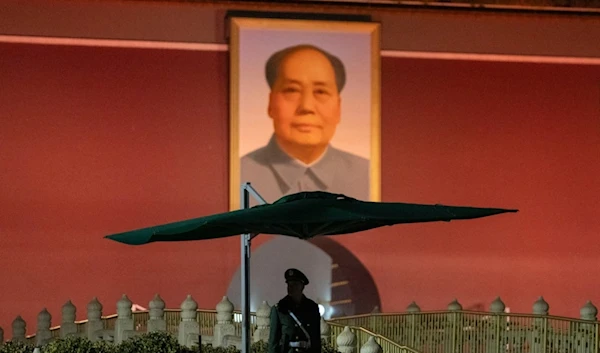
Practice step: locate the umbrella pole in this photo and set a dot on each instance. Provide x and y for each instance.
(246, 240)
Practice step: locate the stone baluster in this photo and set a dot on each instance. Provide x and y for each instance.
(346, 341)
(94, 325)
(188, 327)
(124, 319)
(68, 326)
(583, 331)
(588, 312)
(497, 331)
(263, 322)
(43, 334)
(1, 336)
(454, 324)
(325, 330)
(224, 326)
(497, 306)
(371, 346)
(413, 308)
(454, 306)
(157, 309)
(19, 327)
(541, 309)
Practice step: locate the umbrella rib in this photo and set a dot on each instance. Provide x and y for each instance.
(320, 230)
(290, 230)
(344, 228)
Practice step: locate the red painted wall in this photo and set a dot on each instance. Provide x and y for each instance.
(95, 141)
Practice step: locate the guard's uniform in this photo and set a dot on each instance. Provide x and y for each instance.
(286, 335)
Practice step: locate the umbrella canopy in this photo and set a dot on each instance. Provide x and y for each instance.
(303, 215)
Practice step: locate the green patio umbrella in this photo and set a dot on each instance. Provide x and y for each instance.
(303, 215)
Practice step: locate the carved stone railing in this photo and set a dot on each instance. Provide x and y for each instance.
(215, 327)
(348, 339)
(453, 330)
(457, 330)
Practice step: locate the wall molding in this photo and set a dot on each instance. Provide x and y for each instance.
(142, 44)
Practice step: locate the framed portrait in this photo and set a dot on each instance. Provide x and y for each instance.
(304, 107)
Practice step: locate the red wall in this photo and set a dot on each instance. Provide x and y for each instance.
(95, 141)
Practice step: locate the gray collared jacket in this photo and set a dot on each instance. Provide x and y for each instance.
(275, 174)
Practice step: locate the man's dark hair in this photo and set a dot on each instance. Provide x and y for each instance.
(274, 62)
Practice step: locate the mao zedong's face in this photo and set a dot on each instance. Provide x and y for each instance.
(304, 102)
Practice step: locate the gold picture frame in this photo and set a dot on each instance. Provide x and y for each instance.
(357, 44)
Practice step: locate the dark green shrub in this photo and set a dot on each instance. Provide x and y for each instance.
(16, 347)
(259, 347)
(78, 345)
(154, 342)
(207, 348)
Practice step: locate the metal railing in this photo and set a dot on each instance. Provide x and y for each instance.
(429, 332)
(480, 332)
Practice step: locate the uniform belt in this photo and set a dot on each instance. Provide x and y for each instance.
(299, 344)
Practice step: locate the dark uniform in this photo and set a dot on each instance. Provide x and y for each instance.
(286, 335)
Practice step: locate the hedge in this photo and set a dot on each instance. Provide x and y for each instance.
(154, 342)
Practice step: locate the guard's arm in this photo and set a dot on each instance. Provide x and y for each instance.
(275, 332)
(315, 330)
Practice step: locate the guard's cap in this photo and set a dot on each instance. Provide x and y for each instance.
(294, 274)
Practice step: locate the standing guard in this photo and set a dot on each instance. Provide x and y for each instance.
(295, 319)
